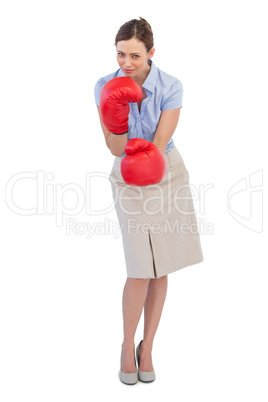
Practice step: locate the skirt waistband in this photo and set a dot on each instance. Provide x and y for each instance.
(173, 157)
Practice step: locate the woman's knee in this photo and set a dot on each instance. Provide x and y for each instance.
(138, 282)
(161, 279)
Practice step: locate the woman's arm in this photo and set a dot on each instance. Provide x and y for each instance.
(167, 124)
(116, 143)
(165, 129)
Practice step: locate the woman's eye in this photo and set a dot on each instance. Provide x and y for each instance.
(135, 56)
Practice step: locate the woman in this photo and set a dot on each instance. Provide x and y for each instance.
(157, 221)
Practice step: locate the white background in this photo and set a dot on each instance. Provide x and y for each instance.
(61, 323)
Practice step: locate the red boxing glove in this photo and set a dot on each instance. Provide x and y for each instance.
(144, 163)
(114, 103)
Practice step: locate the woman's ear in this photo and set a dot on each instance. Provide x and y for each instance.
(151, 53)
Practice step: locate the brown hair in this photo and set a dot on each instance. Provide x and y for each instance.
(139, 29)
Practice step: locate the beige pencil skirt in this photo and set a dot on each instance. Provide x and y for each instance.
(158, 222)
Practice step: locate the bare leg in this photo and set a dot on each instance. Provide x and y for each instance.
(134, 296)
(152, 313)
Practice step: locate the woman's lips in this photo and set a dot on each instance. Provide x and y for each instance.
(128, 71)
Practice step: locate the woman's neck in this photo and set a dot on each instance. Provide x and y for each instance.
(140, 80)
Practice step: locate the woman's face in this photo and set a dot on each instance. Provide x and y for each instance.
(133, 57)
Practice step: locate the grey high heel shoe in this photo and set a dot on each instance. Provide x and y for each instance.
(128, 378)
(144, 376)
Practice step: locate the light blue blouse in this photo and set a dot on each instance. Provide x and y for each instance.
(163, 92)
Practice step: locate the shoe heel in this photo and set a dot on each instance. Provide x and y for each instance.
(144, 376)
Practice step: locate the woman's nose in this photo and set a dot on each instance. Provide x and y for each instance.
(127, 62)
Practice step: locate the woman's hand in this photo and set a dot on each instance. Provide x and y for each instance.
(143, 164)
(115, 97)
(114, 109)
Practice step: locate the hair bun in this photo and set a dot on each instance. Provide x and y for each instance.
(146, 22)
